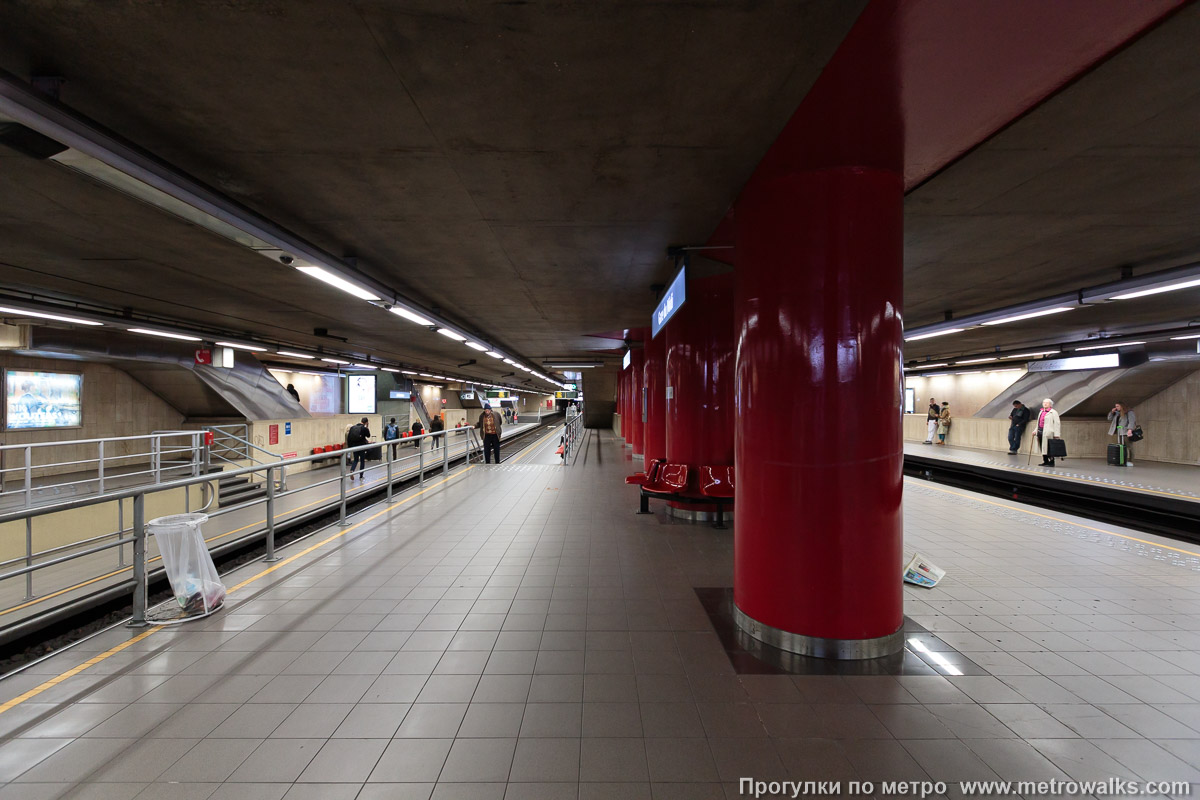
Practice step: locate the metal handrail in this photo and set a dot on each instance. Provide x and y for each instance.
(572, 438)
(275, 491)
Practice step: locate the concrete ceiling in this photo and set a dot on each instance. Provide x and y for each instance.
(523, 166)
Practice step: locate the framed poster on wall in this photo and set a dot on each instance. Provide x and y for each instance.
(360, 397)
(42, 400)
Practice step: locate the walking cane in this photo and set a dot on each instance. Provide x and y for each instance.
(1032, 439)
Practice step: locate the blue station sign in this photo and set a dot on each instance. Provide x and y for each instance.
(670, 303)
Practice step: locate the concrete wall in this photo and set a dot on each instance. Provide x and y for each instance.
(967, 393)
(1171, 421)
(1085, 438)
(309, 433)
(114, 404)
(600, 388)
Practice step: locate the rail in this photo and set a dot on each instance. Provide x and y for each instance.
(50, 467)
(230, 448)
(572, 438)
(135, 534)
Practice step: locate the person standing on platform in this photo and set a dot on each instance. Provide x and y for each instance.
(490, 425)
(417, 430)
(436, 425)
(359, 435)
(1018, 418)
(1049, 427)
(391, 433)
(943, 423)
(1121, 422)
(931, 417)
(291, 389)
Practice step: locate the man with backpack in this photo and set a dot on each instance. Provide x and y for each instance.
(357, 436)
(436, 425)
(391, 433)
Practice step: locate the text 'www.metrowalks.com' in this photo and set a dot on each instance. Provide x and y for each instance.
(1113, 787)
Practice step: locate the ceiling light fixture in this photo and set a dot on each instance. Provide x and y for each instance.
(931, 366)
(237, 346)
(389, 369)
(338, 282)
(411, 316)
(477, 346)
(290, 354)
(1028, 315)
(494, 354)
(1158, 290)
(1189, 336)
(23, 312)
(449, 334)
(334, 361)
(976, 361)
(920, 336)
(1106, 346)
(408, 372)
(165, 334)
(1033, 355)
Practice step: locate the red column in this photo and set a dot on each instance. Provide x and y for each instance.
(636, 428)
(621, 400)
(654, 373)
(700, 361)
(818, 534)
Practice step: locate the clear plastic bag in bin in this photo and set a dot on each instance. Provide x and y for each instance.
(189, 566)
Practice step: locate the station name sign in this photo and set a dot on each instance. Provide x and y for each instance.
(670, 303)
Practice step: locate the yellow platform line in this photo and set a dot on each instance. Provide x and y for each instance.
(535, 446)
(52, 682)
(1052, 518)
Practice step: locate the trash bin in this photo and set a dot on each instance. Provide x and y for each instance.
(193, 576)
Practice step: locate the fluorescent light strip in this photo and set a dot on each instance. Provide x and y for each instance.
(41, 315)
(426, 375)
(976, 361)
(494, 354)
(165, 335)
(477, 346)
(334, 361)
(1033, 355)
(934, 656)
(920, 336)
(365, 366)
(336, 281)
(1158, 290)
(1181, 338)
(1029, 315)
(510, 361)
(236, 346)
(410, 316)
(293, 355)
(449, 334)
(389, 369)
(932, 366)
(1106, 346)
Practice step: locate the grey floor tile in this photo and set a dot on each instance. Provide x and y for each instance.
(411, 761)
(432, 721)
(479, 760)
(673, 760)
(211, 760)
(344, 761)
(253, 721)
(615, 759)
(78, 761)
(554, 720)
(277, 760)
(486, 720)
(546, 761)
(312, 721)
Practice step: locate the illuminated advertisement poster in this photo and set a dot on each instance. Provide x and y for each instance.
(42, 400)
(361, 398)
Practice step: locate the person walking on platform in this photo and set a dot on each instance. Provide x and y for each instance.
(417, 430)
(490, 425)
(943, 423)
(1018, 418)
(1049, 427)
(436, 425)
(359, 435)
(1121, 422)
(931, 418)
(391, 433)
(291, 389)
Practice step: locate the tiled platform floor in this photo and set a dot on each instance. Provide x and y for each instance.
(520, 633)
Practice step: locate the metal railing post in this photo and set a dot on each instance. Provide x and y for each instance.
(138, 620)
(271, 515)
(445, 456)
(120, 532)
(100, 454)
(342, 489)
(420, 464)
(28, 477)
(29, 557)
(156, 458)
(388, 458)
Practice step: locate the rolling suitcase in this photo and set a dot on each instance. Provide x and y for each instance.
(1116, 455)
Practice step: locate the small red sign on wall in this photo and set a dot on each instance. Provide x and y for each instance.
(289, 455)
(204, 356)
(273, 434)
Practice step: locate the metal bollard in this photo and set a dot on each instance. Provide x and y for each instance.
(271, 515)
(342, 490)
(389, 472)
(138, 620)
